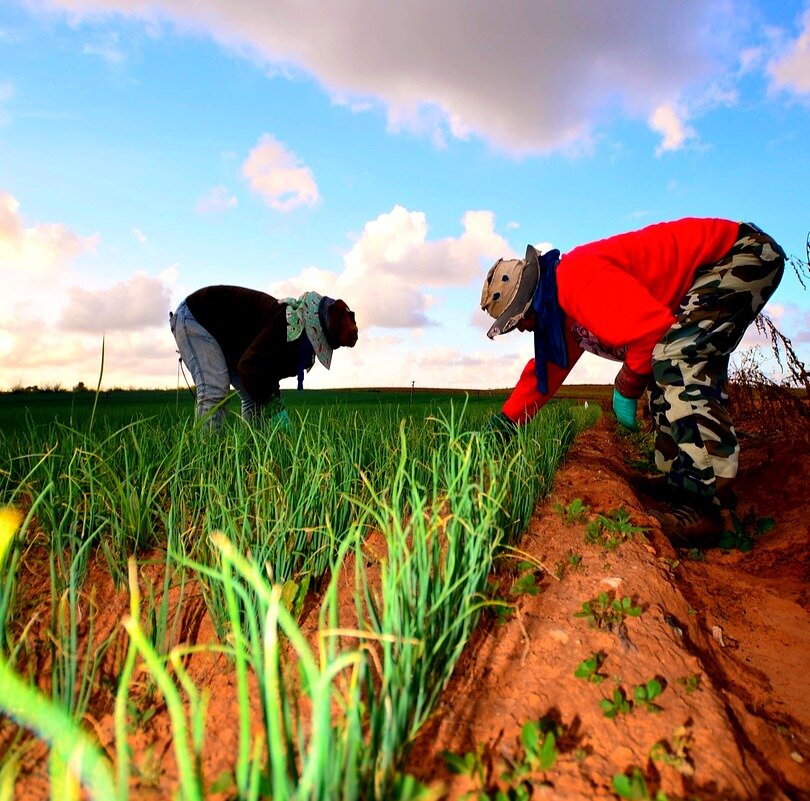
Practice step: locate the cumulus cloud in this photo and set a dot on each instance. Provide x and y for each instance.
(276, 175)
(791, 69)
(132, 305)
(35, 251)
(525, 77)
(390, 268)
(219, 199)
(668, 121)
(51, 324)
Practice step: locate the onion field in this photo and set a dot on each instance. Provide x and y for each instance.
(324, 579)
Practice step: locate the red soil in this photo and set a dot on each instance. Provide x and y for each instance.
(737, 621)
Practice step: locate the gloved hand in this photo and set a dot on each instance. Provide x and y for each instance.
(501, 426)
(276, 414)
(625, 409)
(282, 420)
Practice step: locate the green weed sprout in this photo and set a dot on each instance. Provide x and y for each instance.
(645, 694)
(575, 512)
(617, 705)
(538, 754)
(612, 529)
(634, 787)
(676, 754)
(745, 531)
(470, 764)
(604, 612)
(588, 669)
(689, 683)
(526, 583)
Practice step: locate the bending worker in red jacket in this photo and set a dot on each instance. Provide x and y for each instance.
(233, 336)
(671, 301)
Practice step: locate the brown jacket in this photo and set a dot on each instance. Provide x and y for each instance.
(251, 328)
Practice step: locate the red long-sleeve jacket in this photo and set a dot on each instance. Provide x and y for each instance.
(625, 289)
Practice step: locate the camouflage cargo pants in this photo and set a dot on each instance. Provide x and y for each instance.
(695, 440)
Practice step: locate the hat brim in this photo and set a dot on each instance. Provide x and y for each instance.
(520, 304)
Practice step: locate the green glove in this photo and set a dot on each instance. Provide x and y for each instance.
(282, 419)
(625, 409)
(275, 413)
(501, 426)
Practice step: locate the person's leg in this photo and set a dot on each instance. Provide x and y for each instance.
(690, 365)
(250, 409)
(204, 358)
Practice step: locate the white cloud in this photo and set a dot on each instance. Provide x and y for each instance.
(526, 77)
(132, 305)
(33, 252)
(388, 270)
(274, 173)
(218, 199)
(668, 120)
(51, 324)
(139, 235)
(791, 69)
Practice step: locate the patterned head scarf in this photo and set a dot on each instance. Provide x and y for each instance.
(303, 315)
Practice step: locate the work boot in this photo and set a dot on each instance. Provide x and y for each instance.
(691, 523)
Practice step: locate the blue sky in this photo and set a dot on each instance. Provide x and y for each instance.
(384, 153)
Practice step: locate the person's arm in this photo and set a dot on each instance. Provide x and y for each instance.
(526, 400)
(256, 367)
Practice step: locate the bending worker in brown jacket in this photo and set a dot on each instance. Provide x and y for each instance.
(233, 336)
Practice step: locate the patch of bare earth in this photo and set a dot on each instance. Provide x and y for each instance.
(728, 638)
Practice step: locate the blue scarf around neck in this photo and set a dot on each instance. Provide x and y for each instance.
(549, 324)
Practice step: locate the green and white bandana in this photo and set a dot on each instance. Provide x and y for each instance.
(302, 315)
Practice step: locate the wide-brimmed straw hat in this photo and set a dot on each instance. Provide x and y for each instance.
(508, 291)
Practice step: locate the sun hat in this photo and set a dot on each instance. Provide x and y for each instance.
(508, 290)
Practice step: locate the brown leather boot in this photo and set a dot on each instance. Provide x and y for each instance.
(691, 524)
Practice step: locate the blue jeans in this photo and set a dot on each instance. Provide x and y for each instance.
(205, 360)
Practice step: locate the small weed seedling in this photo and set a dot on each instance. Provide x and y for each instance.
(501, 609)
(604, 612)
(645, 694)
(617, 705)
(538, 754)
(670, 564)
(696, 555)
(574, 561)
(575, 512)
(539, 740)
(689, 683)
(634, 787)
(588, 669)
(612, 529)
(745, 532)
(470, 764)
(677, 754)
(526, 583)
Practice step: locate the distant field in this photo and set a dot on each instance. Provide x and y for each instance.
(75, 408)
